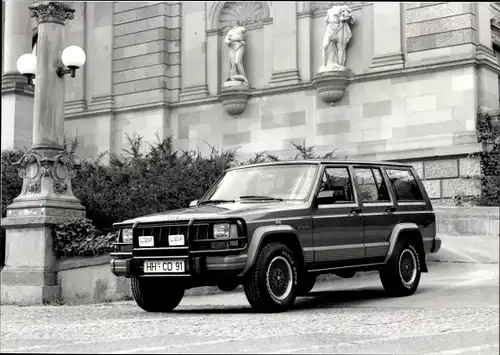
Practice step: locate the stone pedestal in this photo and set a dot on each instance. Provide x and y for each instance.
(46, 199)
(234, 96)
(331, 84)
(29, 276)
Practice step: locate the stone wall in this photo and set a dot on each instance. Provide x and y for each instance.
(420, 70)
(146, 52)
(407, 113)
(407, 116)
(17, 133)
(435, 26)
(446, 178)
(468, 221)
(88, 280)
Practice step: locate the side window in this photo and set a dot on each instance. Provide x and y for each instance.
(372, 187)
(336, 187)
(405, 186)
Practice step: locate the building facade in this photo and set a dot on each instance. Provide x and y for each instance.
(417, 75)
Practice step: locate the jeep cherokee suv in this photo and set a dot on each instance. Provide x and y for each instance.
(274, 227)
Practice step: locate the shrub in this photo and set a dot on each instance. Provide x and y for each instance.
(80, 238)
(489, 178)
(11, 182)
(488, 127)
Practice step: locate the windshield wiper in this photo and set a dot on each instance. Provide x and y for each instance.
(206, 202)
(257, 197)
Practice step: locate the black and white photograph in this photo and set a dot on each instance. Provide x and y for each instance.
(261, 177)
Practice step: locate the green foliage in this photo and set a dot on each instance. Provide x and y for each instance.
(80, 238)
(488, 127)
(11, 187)
(489, 179)
(303, 153)
(11, 182)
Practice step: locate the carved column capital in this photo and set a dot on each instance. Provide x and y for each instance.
(52, 11)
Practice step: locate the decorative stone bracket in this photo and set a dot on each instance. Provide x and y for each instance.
(46, 172)
(331, 85)
(234, 97)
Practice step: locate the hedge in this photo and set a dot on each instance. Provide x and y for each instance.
(136, 183)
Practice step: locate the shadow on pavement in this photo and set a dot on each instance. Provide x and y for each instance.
(337, 299)
(318, 299)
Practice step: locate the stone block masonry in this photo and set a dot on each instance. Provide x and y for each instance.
(447, 177)
(146, 53)
(436, 25)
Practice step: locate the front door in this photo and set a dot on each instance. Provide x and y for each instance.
(378, 208)
(337, 221)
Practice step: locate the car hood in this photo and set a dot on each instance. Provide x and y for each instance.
(245, 209)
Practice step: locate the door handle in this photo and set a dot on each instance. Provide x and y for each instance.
(356, 210)
(390, 209)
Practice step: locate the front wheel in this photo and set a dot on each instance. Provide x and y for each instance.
(271, 285)
(401, 275)
(154, 295)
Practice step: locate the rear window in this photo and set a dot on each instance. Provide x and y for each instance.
(405, 185)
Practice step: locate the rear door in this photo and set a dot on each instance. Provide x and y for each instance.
(412, 202)
(337, 223)
(378, 209)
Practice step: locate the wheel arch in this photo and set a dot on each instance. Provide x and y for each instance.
(267, 234)
(409, 231)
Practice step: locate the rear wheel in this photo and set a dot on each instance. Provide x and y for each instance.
(401, 275)
(271, 284)
(154, 295)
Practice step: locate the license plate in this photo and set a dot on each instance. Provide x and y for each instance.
(164, 266)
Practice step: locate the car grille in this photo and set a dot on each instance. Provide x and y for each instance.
(199, 238)
(161, 233)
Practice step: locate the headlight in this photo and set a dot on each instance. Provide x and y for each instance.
(225, 231)
(127, 235)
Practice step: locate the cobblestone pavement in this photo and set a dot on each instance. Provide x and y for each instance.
(455, 311)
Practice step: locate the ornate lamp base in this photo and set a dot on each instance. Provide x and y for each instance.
(234, 97)
(46, 199)
(331, 84)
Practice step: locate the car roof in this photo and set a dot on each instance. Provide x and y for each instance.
(323, 162)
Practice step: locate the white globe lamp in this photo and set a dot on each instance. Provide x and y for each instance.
(73, 57)
(26, 65)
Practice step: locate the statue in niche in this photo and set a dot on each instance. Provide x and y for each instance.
(236, 45)
(338, 33)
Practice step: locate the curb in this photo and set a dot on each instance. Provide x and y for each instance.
(467, 249)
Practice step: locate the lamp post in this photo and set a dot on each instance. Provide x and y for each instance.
(46, 199)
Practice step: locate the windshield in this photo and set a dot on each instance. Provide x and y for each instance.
(280, 182)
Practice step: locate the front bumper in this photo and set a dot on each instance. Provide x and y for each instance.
(121, 267)
(436, 244)
(128, 267)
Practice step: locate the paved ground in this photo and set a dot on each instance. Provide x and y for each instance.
(455, 311)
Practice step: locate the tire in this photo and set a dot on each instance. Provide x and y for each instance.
(397, 282)
(271, 284)
(306, 284)
(154, 295)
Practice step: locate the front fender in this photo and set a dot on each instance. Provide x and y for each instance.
(259, 237)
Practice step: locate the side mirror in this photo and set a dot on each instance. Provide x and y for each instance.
(193, 203)
(324, 198)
